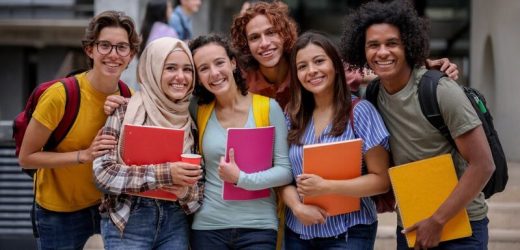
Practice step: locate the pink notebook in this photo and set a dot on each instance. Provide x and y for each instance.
(144, 145)
(253, 153)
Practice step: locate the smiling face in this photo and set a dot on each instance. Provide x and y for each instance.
(112, 64)
(215, 68)
(385, 53)
(177, 75)
(265, 43)
(315, 70)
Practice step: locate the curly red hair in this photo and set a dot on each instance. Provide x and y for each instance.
(278, 14)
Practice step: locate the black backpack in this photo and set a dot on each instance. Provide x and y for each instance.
(427, 91)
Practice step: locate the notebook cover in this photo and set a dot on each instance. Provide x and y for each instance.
(420, 188)
(253, 153)
(335, 161)
(144, 145)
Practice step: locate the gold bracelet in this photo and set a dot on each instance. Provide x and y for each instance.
(77, 157)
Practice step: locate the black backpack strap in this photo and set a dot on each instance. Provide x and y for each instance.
(427, 92)
(124, 90)
(372, 92)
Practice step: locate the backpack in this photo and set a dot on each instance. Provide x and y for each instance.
(385, 202)
(427, 92)
(72, 104)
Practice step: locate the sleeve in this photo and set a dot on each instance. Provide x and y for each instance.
(116, 178)
(369, 126)
(193, 199)
(280, 174)
(51, 106)
(175, 23)
(456, 109)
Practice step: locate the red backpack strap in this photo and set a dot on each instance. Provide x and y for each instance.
(355, 101)
(124, 90)
(72, 103)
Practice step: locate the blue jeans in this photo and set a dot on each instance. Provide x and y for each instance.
(153, 224)
(236, 238)
(477, 241)
(359, 237)
(66, 230)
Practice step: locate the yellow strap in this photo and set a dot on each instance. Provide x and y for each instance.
(261, 110)
(203, 114)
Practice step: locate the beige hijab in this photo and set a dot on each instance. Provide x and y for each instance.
(150, 106)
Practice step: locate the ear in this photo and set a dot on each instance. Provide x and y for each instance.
(234, 63)
(89, 51)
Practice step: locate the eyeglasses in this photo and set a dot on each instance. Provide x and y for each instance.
(105, 48)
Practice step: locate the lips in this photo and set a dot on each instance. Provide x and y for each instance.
(316, 80)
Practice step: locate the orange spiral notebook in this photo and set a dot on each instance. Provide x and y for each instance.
(420, 188)
(334, 161)
(144, 145)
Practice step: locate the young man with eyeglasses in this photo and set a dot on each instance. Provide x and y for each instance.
(66, 198)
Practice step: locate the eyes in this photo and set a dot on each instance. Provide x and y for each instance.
(105, 47)
(316, 61)
(256, 36)
(205, 67)
(393, 43)
(174, 67)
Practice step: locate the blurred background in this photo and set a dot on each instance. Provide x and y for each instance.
(40, 40)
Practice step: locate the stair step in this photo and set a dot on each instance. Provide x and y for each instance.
(495, 235)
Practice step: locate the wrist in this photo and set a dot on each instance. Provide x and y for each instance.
(78, 157)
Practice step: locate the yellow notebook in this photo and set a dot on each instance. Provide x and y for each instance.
(420, 188)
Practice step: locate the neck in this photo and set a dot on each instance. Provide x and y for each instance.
(229, 99)
(323, 101)
(102, 84)
(186, 11)
(277, 74)
(396, 84)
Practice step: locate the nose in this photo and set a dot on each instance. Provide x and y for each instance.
(312, 69)
(179, 76)
(264, 42)
(383, 51)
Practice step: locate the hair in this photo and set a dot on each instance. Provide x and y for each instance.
(200, 91)
(301, 103)
(155, 12)
(401, 14)
(110, 18)
(278, 14)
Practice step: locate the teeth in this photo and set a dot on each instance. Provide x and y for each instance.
(112, 64)
(385, 62)
(218, 82)
(177, 86)
(267, 53)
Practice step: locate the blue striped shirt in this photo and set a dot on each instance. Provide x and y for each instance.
(368, 126)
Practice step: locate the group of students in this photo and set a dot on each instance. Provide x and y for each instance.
(299, 84)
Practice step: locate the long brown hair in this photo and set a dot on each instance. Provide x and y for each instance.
(301, 103)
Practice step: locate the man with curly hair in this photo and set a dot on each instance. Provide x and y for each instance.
(395, 44)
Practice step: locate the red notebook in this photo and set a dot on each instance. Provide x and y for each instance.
(144, 145)
(253, 153)
(334, 161)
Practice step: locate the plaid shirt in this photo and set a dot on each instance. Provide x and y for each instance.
(116, 179)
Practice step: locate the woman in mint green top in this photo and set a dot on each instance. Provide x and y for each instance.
(222, 224)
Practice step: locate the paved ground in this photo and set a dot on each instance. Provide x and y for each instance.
(504, 227)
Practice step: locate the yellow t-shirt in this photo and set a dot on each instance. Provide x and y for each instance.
(70, 188)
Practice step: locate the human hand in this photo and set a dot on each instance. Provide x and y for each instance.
(177, 190)
(99, 146)
(428, 233)
(310, 214)
(185, 174)
(229, 171)
(444, 65)
(311, 185)
(113, 102)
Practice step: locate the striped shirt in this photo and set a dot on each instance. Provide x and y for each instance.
(368, 126)
(116, 179)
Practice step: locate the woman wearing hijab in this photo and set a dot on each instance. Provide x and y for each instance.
(166, 76)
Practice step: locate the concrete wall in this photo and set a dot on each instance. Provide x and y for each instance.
(494, 53)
